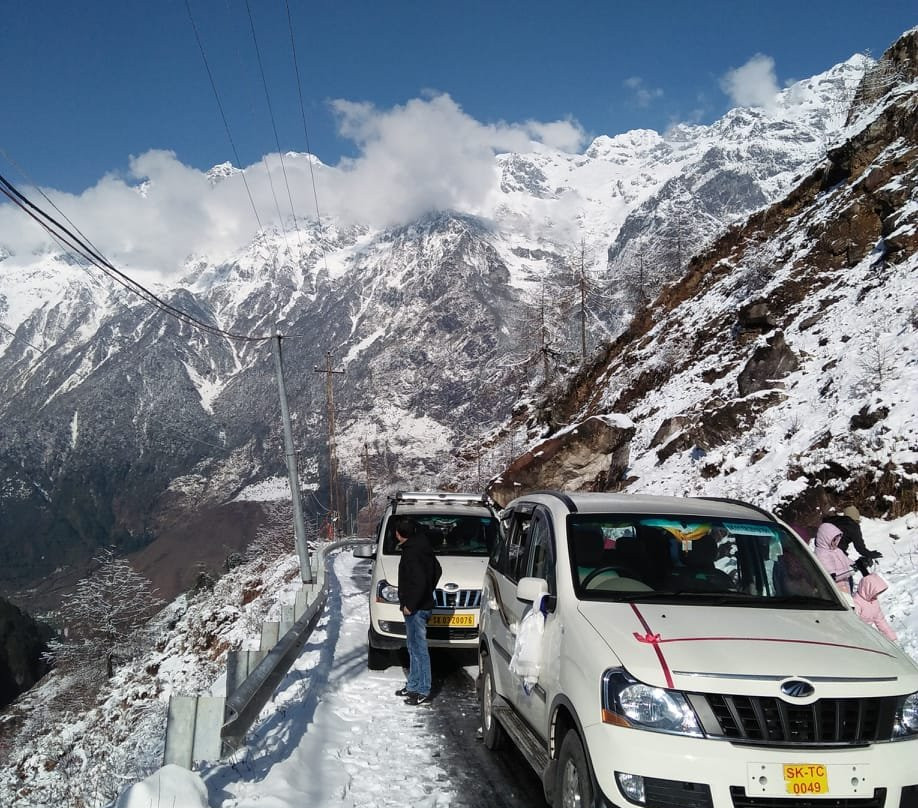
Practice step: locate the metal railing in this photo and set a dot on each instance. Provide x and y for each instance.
(209, 727)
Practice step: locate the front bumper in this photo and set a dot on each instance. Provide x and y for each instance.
(703, 773)
(387, 629)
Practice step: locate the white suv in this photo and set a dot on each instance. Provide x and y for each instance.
(692, 653)
(462, 530)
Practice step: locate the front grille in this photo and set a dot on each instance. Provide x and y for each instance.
(740, 800)
(673, 794)
(460, 599)
(446, 633)
(909, 797)
(772, 721)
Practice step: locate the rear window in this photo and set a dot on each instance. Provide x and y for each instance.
(452, 534)
(649, 557)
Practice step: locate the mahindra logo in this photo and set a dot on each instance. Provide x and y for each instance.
(450, 587)
(797, 688)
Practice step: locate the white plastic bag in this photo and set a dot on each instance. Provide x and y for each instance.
(527, 648)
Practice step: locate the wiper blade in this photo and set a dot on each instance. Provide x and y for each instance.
(805, 600)
(730, 599)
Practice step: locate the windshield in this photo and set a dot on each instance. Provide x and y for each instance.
(647, 557)
(448, 534)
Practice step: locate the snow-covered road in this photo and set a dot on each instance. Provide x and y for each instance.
(337, 736)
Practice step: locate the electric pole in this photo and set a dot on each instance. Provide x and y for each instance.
(299, 528)
(366, 468)
(333, 494)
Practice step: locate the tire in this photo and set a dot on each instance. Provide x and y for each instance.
(492, 732)
(378, 659)
(574, 785)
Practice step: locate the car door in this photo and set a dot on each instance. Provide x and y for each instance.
(504, 611)
(539, 562)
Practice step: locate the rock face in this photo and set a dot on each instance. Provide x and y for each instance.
(589, 456)
(22, 642)
(767, 366)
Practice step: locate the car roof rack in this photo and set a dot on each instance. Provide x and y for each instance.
(450, 497)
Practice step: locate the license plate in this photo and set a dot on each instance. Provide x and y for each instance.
(806, 778)
(452, 620)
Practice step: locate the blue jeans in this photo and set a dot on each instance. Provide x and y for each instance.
(418, 654)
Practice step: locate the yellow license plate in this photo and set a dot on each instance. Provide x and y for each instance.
(452, 620)
(806, 778)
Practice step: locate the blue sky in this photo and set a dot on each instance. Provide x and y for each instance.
(85, 86)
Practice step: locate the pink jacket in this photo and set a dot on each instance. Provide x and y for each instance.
(834, 560)
(868, 607)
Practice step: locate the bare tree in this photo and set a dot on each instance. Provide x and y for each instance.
(105, 618)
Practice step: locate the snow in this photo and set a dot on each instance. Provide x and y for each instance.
(335, 735)
(171, 786)
(270, 490)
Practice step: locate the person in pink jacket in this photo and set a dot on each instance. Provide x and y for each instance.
(831, 557)
(868, 607)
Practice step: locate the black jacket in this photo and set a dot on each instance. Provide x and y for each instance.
(851, 533)
(418, 573)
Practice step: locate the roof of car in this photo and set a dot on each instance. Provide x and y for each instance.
(592, 502)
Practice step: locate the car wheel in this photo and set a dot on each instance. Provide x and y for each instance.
(378, 659)
(492, 732)
(574, 786)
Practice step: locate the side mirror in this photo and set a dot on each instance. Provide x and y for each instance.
(365, 551)
(528, 589)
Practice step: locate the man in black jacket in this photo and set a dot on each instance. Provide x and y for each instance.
(418, 573)
(848, 521)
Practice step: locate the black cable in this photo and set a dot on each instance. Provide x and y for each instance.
(280, 154)
(16, 336)
(57, 230)
(312, 173)
(213, 85)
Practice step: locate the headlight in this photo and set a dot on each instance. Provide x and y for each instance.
(629, 703)
(386, 593)
(907, 718)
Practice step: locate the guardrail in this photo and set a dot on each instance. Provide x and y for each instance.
(210, 727)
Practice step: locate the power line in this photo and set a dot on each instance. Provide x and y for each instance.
(312, 173)
(93, 256)
(16, 336)
(280, 154)
(213, 86)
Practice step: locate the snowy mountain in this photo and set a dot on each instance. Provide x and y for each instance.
(124, 426)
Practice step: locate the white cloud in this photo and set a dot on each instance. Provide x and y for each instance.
(754, 84)
(425, 155)
(643, 95)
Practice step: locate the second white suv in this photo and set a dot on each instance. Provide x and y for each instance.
(692, 653)
(462, 530)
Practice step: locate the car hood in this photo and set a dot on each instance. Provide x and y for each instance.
(735, 650)
(467, 572)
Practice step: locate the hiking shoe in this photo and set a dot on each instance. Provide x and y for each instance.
(416, 699)
(403, 691)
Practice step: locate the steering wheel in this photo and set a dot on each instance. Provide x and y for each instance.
(623, 572)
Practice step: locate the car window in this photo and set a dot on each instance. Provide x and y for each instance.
(449, 534)
(515, 541)
(666, 557)
(540, 558)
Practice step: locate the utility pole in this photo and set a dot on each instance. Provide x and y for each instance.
(299, 528)
(333, 494)
(583, 344)
(366, 468)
